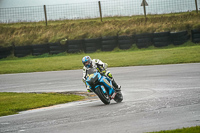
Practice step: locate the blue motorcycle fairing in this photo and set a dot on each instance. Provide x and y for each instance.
(108, 84)
(102, 87)
(104, 82)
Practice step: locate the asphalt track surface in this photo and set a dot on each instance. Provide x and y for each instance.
(160, 97)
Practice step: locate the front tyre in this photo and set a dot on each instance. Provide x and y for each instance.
(103, 96)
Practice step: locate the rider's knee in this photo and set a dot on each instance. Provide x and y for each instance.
(109, 74)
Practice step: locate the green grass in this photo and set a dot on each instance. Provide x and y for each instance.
(12, 103)
(187, 53)
(183, 130)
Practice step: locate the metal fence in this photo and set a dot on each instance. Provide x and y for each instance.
(93, 9)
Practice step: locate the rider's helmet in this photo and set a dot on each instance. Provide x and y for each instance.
(87, 61)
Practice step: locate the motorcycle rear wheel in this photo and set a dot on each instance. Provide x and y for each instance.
(119, 97)
(103, 96)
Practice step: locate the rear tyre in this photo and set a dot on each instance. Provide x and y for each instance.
(103, 96)
(119, 97)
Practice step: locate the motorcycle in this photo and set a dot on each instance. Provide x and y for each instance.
(102, 87)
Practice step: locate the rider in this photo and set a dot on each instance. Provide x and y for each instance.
(101, 67)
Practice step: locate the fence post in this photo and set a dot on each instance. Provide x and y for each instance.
(45, 14)
(196, 6)
(144, 6)
(100, 10)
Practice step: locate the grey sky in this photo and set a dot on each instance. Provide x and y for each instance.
(22, 3)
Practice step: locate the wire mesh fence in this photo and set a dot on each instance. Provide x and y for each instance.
(89, 10)
(22, 14)
(73, 11)
(171, 6)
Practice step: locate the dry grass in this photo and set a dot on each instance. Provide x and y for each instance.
(37, 33)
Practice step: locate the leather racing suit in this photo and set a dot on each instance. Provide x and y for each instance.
(102, 68)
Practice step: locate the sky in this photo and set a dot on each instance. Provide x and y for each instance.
(22, 3)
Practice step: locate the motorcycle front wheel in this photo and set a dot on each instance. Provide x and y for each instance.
(104, 97)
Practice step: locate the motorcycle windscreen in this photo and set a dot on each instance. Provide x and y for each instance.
(91, 71)
(92, 80)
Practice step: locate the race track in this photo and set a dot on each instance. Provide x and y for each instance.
(159, 97)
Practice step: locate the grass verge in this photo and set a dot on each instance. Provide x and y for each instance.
(187, 53)
(12, 103)
(183, 130)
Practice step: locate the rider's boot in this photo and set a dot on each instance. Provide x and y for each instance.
(117, 87)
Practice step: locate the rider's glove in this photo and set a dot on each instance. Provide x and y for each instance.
(103, 72)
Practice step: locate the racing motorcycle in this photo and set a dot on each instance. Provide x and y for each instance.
(102, 87)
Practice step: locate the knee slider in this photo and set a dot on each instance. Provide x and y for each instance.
(109, 74)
